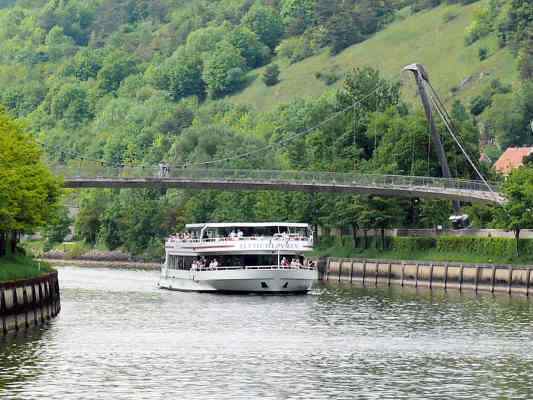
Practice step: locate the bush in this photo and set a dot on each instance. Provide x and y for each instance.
(329, 76)
(483, 53)
(294, 49)
(493, 247)
(271, 75)
(480, 103)
(412, 244)
(77, 250)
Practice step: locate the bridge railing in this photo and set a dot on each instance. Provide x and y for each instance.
(95, 171)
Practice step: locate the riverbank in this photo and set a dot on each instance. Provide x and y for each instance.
(27, 303)
(472, 250)
(445, 275)
(103, 263)
(13, 268)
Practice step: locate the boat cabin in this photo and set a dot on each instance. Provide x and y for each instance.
(212, 231)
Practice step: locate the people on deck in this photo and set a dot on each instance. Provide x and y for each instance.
(213, 264)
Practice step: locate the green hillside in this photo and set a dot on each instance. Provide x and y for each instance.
(424, 37)
(133, 83)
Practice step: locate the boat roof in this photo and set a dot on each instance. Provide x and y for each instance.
(246, 225)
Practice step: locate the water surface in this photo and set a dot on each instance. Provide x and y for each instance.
(119, 337)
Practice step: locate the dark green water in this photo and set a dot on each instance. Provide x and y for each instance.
(119, 337)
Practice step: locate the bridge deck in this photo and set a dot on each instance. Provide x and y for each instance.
(305, 181)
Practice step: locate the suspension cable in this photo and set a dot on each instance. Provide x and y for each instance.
(465, 153)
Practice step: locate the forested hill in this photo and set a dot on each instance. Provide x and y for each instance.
(192, 81)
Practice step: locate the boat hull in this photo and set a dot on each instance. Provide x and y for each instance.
(261, 281)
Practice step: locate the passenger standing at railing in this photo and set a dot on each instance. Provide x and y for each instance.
(239, 234)
(214, 264)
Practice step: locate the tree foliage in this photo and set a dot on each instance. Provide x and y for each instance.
(137, 82)
(28, 190)
(517, 212)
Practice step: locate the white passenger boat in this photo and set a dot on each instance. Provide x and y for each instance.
(263, 258)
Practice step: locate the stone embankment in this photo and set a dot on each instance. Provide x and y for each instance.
(493, 278)
(98, 258)
(29, 302)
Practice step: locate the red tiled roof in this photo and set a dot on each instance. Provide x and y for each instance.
(512, 158)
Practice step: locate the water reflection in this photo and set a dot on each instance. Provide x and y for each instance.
(119, 337)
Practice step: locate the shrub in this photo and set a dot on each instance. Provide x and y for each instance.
(294, 49)
(494, 247)
(329, 76)
(76, 250)
(412, 244)
(483, 53)
(480, 103)
(271, 75)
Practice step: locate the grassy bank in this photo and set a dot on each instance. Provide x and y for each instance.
(487, 251)
(20, 267)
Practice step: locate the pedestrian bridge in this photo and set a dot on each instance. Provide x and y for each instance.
(302, 181)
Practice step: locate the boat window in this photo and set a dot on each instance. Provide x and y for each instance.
(249, 260)
(179, 262)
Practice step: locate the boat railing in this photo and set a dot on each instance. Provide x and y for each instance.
(174, 240)
(256, 267)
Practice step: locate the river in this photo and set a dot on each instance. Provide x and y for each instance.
(119, 337)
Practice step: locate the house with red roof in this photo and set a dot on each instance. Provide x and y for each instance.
(512, 158)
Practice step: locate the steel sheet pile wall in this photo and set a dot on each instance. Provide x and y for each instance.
(27, 303)
(501, 278)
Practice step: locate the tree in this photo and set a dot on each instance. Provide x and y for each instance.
(28, 190)
(223, 70)
(435, 212)
(517, 212)
(116, 67)
(510, 117)
(342, 32)
(271, 75)
(265, 23)
(182, 75)
(71, 104)
(297, 15)
(89, 219)
(525, 57)
(58, 226)
(205, 40)
(58, 44)
(385, 212)
(85, 64)
(254, 52)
